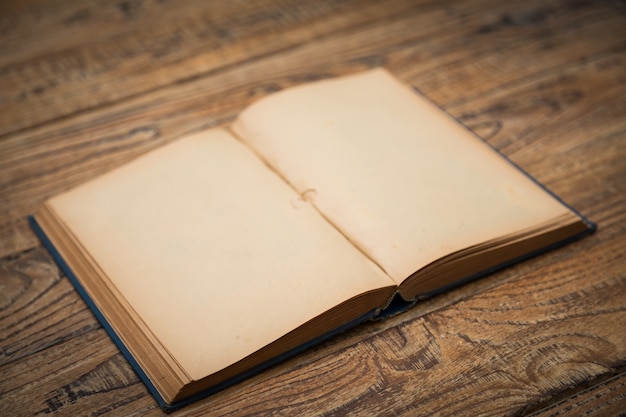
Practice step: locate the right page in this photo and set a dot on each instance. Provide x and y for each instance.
(400, 178)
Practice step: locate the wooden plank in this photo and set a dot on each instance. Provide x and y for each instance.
(38, 308)
(109, 52)
(98, 140)
(73, 23)
(607, 397)
(115, 56)
(546, 37)
(70, 379)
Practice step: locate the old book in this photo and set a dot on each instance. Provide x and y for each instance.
(215, 256)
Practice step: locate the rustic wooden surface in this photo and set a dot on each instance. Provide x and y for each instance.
(86, 86)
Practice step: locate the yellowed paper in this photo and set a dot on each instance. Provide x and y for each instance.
(394, 173)
(216, 254)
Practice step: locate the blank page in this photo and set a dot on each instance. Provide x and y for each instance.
(399, 177)
(215, 253)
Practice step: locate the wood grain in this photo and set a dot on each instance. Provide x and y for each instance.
(39, 307)
(105, 51)
(106, 137)
(604, 398)
(85, 87)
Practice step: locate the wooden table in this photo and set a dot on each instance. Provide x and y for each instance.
(86, 86)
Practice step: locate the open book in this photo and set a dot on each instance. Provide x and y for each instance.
(217, 255)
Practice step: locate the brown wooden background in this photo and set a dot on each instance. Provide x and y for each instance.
(88, 85)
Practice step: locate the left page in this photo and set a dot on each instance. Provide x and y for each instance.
(215, 253)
